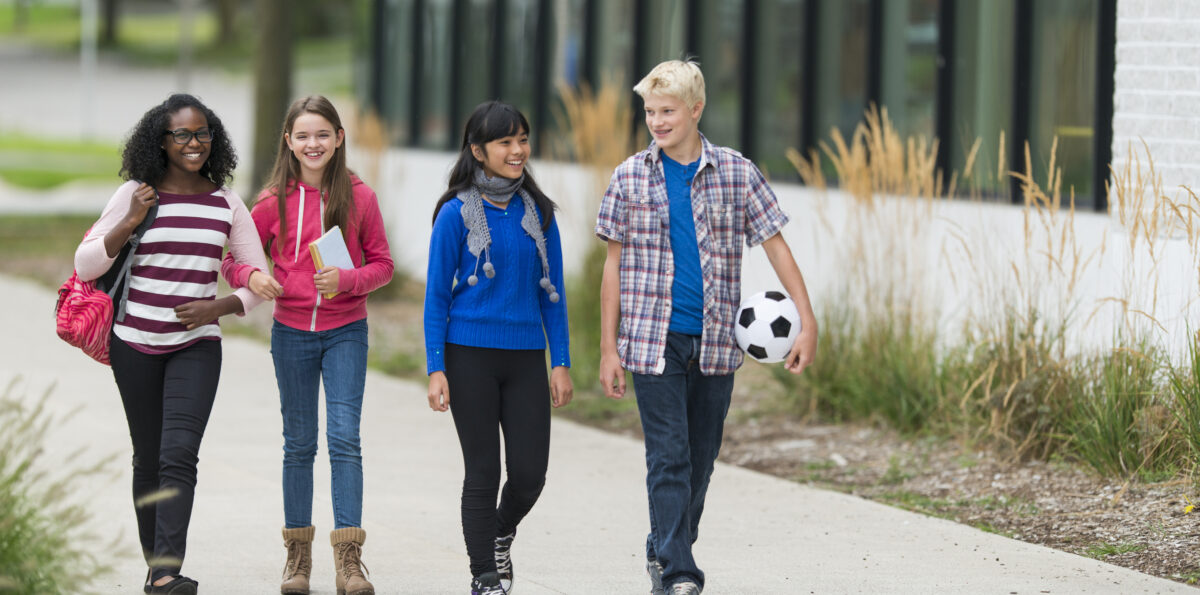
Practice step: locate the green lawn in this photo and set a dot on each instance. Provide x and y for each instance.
(152, 39)
(42, 163)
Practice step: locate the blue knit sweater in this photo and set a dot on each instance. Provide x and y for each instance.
(508, 311)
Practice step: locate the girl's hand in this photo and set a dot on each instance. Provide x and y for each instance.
(198, 313)
(439, 392)
(561, 388)
(143, 198)
(326, 280)
(264, 285)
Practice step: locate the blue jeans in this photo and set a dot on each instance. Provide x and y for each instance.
(302, 360)
(683, 415)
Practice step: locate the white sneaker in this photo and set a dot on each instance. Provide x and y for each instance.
(655, 570)
(685, 588)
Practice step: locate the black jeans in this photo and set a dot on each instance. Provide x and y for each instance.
(493, 389)
(168, 398)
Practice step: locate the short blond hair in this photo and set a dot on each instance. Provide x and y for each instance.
(674, 78)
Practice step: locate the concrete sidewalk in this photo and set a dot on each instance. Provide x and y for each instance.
(760, 534)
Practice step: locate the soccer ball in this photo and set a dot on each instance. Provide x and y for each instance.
(767, 325)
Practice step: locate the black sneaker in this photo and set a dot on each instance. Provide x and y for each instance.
(504, 566)
(487, 583)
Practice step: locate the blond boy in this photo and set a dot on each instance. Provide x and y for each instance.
(675, 217)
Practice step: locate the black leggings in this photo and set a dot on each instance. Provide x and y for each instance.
(492, 389)
(167, 398)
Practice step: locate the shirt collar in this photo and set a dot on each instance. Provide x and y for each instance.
(708, 154)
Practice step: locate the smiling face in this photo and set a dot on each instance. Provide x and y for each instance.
(504, 157)
(313, 140)
(672, 124)
(188, 157)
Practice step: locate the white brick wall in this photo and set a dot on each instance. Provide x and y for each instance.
(1157, 92)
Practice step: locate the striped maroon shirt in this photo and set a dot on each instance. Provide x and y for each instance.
(178, 261)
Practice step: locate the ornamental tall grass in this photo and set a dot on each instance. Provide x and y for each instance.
(1007, 369)
(597, 136)
(45, 546)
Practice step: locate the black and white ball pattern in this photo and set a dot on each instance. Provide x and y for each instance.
(767, 325)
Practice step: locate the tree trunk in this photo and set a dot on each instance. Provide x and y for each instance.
(273, 83)
(108, 19)
(226, 20)
(21, 18)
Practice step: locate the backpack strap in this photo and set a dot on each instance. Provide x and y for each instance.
(122, 279)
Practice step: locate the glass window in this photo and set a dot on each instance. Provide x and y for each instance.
(841, 77)
(720, 50)
(983, 75)
(519, 50)
(397, 68)
(614, 43)
(665, 29)
(1063, 89)
(567, 62)
(475, 72)
(908, 73)
(778, 52)
(434, 80)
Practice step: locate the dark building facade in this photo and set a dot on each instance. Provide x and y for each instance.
(780, 73)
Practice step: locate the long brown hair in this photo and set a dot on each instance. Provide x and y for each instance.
(336, 184)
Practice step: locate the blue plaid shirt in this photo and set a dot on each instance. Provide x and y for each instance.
(732, 205)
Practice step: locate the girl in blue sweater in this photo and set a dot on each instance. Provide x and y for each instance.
(493, 297)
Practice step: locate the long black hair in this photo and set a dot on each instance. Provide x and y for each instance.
(492, 120)
(145, 160)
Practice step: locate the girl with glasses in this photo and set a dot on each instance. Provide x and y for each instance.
(166, 346)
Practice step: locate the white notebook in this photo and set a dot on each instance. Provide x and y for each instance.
(330, 250)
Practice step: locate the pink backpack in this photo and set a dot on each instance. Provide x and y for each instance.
(83, 315)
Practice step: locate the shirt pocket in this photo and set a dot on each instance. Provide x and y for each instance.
(645, 221)
(724, 226)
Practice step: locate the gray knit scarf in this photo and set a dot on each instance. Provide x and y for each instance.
(479, 237)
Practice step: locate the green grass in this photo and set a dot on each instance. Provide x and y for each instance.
(42, 235)
(895, 473)
(44, 543)
(912, 501)
(404, 364)
(1100, 551)
(41, 163)
(49, 25)
(594, 408)
(1185, 391)
(583, 311)
(1115, 430)
(1190, 577)
(152, 39)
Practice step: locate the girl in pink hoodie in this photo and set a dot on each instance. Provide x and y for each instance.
(320, 329)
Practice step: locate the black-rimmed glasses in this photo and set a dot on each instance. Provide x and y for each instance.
(183, 137)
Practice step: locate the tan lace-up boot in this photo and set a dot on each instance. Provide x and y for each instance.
(347, 561)
(298, 567)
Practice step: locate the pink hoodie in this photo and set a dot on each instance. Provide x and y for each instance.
(301, 306)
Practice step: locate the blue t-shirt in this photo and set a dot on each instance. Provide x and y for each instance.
(687, 287)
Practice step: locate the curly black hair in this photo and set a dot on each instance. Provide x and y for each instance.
(144, 159)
